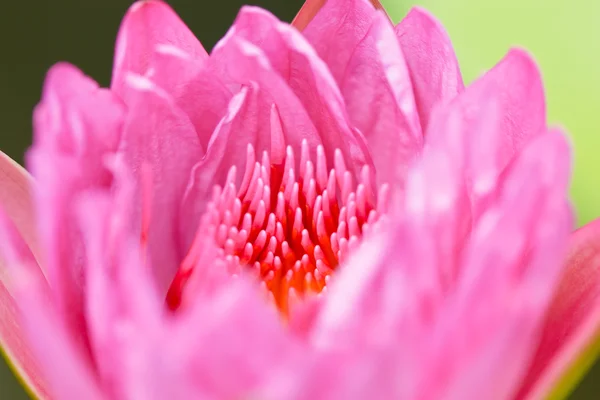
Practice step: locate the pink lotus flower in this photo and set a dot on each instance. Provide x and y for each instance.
(313, 212)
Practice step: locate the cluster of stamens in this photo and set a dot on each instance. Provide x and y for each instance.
(291, 229)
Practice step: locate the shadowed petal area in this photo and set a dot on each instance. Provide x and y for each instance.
(434, 71)
(570, 338)
(148, 24)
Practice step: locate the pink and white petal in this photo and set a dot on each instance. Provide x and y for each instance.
(572, 324)
(13, 341)
(311, 9)
(16, 186)
(76, 125)
(160, 145)
(295, 61)
(147, 24)
(193, 87)
(434, 71)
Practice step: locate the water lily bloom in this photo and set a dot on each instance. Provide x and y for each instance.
(319, 210)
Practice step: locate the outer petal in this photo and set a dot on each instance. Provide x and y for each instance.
(312, 7)
(16, 200)
(465, 338)
(434, 70)
(76, 126)
(293, 59)
(160, 145)
(569, 342)
(58, 352)
(13, 340)
(149, 23)
(517, 84)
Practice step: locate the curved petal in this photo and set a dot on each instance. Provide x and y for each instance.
(16, 200)
(149, 23)
(160, 145)
(312, 7)
(13, 341)
(571, 337)
(193, 86)
(296, 63)
(434, 70)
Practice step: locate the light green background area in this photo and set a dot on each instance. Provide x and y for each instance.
(564, 37)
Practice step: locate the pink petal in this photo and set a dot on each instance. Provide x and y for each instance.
(59, 354)
(148, 24)
(193, 87)
(312, 7)
(511, 266)
(15, 199)
(573, 319)
(361, 50)
(76, 125)
(12, 337)
(434, 70)
(290, 56)
(516, 83)
(123, 308)
(245, 64)
(160, 145)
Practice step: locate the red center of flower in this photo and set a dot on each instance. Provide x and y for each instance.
(291, 227)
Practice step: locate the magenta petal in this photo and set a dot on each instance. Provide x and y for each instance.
(293, 59)
(434, 70)
(160, 145)
(148, 24)
(573, 320)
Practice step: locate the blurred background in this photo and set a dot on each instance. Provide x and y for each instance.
(563, 36)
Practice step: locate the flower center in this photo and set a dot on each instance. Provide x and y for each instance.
(291, 228)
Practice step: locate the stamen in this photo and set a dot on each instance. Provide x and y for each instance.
(290, 229)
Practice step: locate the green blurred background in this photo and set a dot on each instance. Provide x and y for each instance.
(564, 36)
